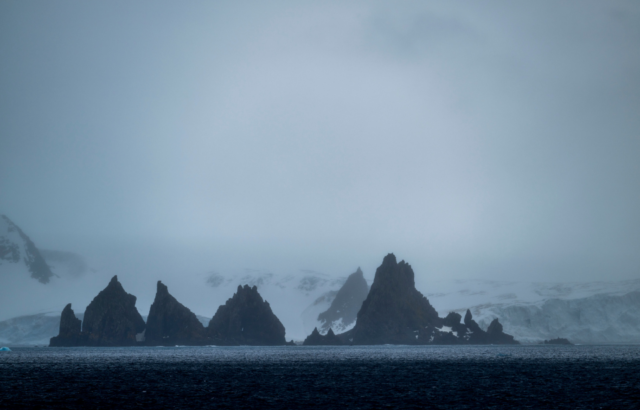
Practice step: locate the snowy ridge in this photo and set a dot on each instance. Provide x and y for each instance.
(17, 248)
(583, 312)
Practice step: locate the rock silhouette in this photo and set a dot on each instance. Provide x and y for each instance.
(70, 330)
(246, 319)
(343, 311)
(316, 339)
(493, 335)
(170, 323)
(111, 319)
(394, 312)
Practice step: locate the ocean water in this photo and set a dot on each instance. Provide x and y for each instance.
(368, 377)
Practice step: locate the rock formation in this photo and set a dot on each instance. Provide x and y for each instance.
(496, 336)
(343, 311)
(70, 330)
(246, 319)
(316, 339)
(493, 335)
(111, 319)
(394, 311)
(16, 246)
(170, 323)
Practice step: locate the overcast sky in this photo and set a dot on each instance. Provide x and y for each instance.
(472, 139)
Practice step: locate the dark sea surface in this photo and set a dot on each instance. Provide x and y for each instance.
(442, 377)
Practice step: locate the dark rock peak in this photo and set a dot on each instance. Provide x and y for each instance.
(170, 323)
(68, 321)
(452, 319)
(111, 319)
(246, 319)
(70, 326)
(316, 339)
(493, 335)
(34, 261)
(347, 302)
(495, 327)
(467, 317)
(472, 324)
(394, 310)
(496, 336)
(161, 289)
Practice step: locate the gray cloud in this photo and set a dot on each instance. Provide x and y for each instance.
(484, 140)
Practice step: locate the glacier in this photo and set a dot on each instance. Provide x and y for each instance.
(583, 312)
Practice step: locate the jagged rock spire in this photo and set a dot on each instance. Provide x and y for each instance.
(394, 309)
(246, 319)
(170, 323)
(111, 319)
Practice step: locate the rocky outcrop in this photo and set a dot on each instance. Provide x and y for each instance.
(246, 319)
(343, 311)
(394, 312)
(170, 323)
(496, 336)
(70, 330)
(111, 319)
(454, 321)
(316, 339)
(493, 335)
(17, 247)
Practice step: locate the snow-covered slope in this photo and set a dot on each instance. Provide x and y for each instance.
(30, 330)
(583, 312)
(17, 248)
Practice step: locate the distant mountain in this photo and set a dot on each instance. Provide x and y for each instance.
(343, 312)
(17, 248)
